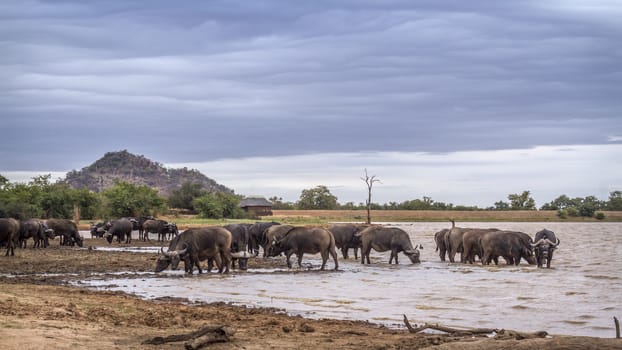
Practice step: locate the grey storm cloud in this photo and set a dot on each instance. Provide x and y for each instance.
(201, 80)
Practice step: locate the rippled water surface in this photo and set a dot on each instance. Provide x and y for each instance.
(578, 296)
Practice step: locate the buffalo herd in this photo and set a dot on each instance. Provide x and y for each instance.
(223, 246)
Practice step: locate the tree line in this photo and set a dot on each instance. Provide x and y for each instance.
(41, 198)
(320, 197)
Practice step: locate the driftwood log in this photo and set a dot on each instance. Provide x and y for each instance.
(500, 333)
(198, 339)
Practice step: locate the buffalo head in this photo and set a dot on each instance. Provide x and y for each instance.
(171, 258)
(242, 258)
(79, 241)
(275, 248)
(413, 255)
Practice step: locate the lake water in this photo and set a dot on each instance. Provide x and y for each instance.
(579, 295)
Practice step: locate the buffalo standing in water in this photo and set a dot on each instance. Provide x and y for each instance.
(300, 240)
(197, 244)
(511, 245)
(387, 238)
(544, 246)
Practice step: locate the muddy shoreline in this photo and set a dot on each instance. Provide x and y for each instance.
(39, 308)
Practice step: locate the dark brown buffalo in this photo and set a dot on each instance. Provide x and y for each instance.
(274, 233)
(37, 230)
(161, 227)
(239, 244)
(382, 238)
(511, 245)
(441, 247)
(195, 245)
(121, 229)
(9, 234)
(67, 230)
(346, 238)
(544, 246)
(453, 241)
(470, 244)
(257, 236)
(306, 239)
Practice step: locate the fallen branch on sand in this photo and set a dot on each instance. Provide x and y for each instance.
(500, 333)
(198, 339)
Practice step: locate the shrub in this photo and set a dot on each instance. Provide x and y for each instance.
(600, 215)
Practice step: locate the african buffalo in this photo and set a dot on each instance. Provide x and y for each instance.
(121, 228)
(511, 245)
(239, 244)
(140, 221)
(197, 244)
(306, 239)
(453, 241)
(273, 233)
(470, 244)
(346, 238)
(544, 246)
(441, 247)
(35, 229)
(97, 230)
(67, 230)
(9, 233)
(382, 238)
(257, 235)
(161, 227)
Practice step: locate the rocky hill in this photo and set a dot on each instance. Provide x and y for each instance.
(125, 166)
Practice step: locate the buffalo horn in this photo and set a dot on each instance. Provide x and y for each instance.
(183, 251)
(540, 241)
(162, 250)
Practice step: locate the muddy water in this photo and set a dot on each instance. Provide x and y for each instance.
(578, 296)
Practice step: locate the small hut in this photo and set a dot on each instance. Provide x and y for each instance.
(256, 206)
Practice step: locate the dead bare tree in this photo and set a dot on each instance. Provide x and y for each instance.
(370, 183)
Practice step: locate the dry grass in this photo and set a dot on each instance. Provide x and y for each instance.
(431, 215)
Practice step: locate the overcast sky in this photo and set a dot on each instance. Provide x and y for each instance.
(463, 101)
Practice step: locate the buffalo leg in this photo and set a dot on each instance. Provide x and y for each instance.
(225, 261)
(288, 255)
(333, 252)
(299, 256)
(344, 252)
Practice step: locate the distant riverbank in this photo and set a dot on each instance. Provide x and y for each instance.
(305, 217)
(433, 215)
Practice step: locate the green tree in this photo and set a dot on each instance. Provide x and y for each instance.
(561, 202)
(615, 201)
(501, 205)
(589, 205)
(183, 197)
(218, 205)
(522, 201)
(89, 203)
(318, 197)
(278, 203)
(4, 182)
(126, 199)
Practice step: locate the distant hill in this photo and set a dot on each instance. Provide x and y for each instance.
(125, 166)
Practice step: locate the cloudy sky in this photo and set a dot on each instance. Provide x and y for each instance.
(463, 101)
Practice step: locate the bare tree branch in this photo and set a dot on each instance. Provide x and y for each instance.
(369, 181)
